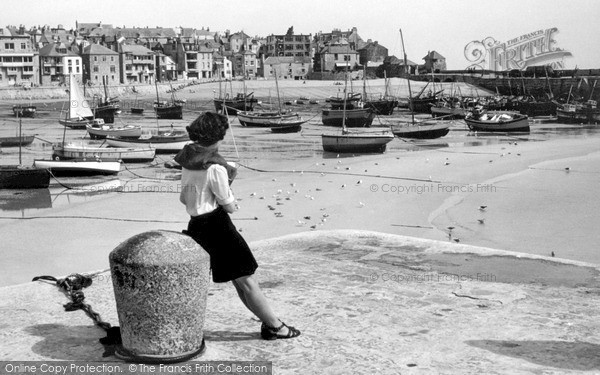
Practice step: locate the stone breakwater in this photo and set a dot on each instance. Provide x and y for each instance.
(366, 303)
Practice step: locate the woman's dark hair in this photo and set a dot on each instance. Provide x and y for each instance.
(208, 128)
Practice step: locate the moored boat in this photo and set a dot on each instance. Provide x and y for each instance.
(85, 153)
(79, 114)
(497, 121)
(162, 142)
(23, 177)
(349, 142)
(353, 118)
(16, 141)
(240, 103)
(100, 130)
(24, 110)
(430, 129)
(78, 168)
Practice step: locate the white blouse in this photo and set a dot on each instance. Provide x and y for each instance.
(202, 191)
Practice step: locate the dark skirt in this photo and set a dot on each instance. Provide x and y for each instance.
(230, 256)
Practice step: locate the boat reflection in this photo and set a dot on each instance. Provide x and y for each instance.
(20, 200)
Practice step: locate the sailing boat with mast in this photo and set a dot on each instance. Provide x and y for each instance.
(279, 121)
(106, 108)
(79, 113)
(23, 177)
(430, 129)
(354, 142)
(168, 110)
(231, 105)
(382, 106)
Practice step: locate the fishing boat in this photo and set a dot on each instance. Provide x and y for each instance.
(84, 152)
(266, 119)
(352, 118)
(107, 108)
(24, 110)
(172, 110)
(226, 103)
(23, 177)
(79, 113)
(137, 109)
(354, 142)
(429, 129)
(288, 120)
(162, 142)
(287, 125)
(239, 103)
(78, 168)
(384, 105)
(497, 121)
(16, 141)
(101, 130)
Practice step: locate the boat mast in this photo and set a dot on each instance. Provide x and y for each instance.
(20, 137)
(344, 130)
(277, 87)
(412, 113)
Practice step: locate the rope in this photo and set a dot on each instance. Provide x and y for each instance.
(341, 173)
(72, 286)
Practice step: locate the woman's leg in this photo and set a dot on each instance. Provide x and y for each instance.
(254, 299)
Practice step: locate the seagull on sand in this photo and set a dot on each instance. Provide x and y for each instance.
(482, 208)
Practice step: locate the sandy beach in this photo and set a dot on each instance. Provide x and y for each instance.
(287, 184)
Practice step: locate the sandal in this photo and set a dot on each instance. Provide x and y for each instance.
(270, 333)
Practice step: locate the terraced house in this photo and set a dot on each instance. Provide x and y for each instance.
(57, 62)
(19, 59)
(98, 62)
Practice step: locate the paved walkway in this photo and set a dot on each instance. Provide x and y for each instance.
(367, 303)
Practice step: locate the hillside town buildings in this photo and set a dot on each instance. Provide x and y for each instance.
(103, 53)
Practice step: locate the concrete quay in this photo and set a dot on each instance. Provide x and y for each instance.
(366, 303)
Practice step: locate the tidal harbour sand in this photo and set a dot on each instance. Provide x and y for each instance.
(353, 250)
(287, 184)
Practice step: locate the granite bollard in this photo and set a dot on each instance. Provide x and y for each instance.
(160, 280)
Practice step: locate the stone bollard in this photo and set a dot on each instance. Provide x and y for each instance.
(161, 280)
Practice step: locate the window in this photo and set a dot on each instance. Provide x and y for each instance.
(77, 70)
(70, 70)
(9, 46)
(112, 58)
(95, 58)
(69, 62)
(95, 69)
(77, 62)
(103, 58)
(95, 78)
(113, 69)
(23, 45)
(112, 77)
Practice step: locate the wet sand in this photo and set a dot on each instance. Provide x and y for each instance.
(287, 184)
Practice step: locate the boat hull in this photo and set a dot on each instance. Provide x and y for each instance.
(16, 141)
(161, 143)
(234, 106)
(102, 132)
(78, 168)
(287, 128)
(356, 143)
(75, 123)
(172, 112)
(17, 177)
(265, 119)
(355, 118)
(422, 131)
(81, 153)
(24, 111)
(384, 107)
(519, 123)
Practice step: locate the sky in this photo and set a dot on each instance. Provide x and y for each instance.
(442, 25)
